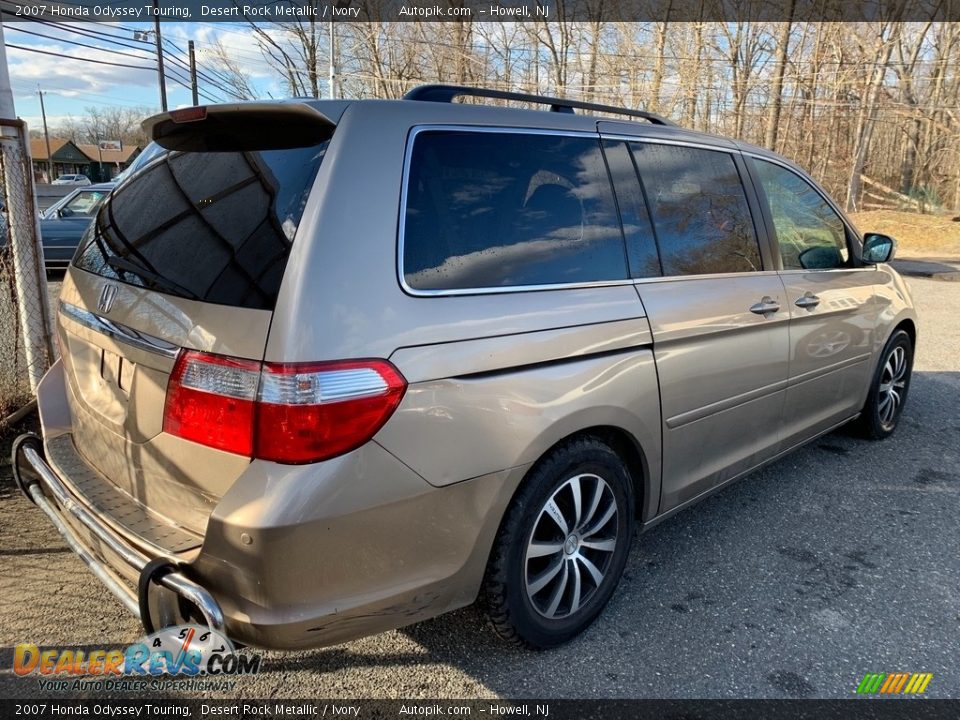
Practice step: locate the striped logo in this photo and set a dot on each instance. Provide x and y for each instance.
(894, 683)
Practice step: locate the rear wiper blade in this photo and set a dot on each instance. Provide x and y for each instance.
(158, 282)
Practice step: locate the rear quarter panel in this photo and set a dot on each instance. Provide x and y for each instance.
(495, 379)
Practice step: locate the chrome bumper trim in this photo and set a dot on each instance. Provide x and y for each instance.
(175, 581)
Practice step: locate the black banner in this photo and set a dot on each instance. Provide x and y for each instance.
(854, 709)
(479, 10)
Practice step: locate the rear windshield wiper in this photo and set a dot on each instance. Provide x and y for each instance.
(156, 281)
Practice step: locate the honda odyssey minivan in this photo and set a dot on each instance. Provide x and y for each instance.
(329, 368)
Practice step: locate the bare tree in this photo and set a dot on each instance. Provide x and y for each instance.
(776, 87)
(888, 34)
(234, 80)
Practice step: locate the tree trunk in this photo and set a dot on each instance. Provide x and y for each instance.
(776, 88)
(868, 118)
(659, 62)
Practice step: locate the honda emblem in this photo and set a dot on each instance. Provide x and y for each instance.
(107, 296)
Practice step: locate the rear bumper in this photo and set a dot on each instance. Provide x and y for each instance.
(293, 556)
(47, 491)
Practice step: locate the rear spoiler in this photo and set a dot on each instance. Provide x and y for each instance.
(240, 126)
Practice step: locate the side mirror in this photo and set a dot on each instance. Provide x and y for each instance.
(878, 248)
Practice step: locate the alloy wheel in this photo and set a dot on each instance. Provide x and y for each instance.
(893, 381)
(571, 547)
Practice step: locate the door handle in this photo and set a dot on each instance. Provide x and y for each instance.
(766, 306)
(808, 301)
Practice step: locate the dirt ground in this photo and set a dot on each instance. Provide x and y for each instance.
(918, 236)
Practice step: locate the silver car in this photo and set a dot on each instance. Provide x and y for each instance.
(333, 367)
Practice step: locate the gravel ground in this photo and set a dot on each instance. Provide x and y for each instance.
(839, 560)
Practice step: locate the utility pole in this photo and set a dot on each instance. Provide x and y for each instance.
(99, 159)
(6, 94)
(23, 233)
(46, 136)
(333, 66)
(193, 73)
(160, 73)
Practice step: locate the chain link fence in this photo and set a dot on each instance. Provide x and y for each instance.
(26, 349)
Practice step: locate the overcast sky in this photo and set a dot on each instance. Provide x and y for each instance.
(71, 84)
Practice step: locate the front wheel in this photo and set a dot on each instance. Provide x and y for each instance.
(888, 389)
(562, 546)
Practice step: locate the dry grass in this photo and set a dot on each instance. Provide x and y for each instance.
(918, 236)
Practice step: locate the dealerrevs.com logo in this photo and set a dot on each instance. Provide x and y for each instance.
(182, 657)
(903, 683)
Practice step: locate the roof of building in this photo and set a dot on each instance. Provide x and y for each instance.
(38, 147)
(109, 156)
(38, 150)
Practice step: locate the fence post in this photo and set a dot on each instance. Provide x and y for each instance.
(30, 276)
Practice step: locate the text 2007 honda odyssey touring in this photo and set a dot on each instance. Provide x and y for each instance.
(329, 368)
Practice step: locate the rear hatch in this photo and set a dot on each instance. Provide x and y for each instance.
(187, 254)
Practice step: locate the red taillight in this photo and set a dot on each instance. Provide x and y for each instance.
(288, 413)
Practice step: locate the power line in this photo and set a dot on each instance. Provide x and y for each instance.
(184, 82)
(93, 34)
(206, 77)
(67, 92)
(75, 42)
(72, 57)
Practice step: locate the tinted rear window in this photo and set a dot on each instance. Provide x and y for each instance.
(209, 226)
(699, 207)
(488, 209)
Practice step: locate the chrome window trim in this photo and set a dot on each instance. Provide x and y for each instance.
(118, 331)
(732, 151)
(705, 276)
(802, 271)
(401, 220)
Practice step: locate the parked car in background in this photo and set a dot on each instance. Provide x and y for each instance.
(79, 179)
(63, 223)
(298, 422)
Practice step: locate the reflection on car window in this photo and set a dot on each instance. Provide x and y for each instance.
(85, 204)
(214, 226)
(700, 212)
(508, 209)
(810, 234)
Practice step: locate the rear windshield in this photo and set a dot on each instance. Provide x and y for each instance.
(209, 226)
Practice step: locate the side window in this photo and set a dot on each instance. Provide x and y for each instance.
(509, 209)
(637, 229)
(699, 208)
(810, 234)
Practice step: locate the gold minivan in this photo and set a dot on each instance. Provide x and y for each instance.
(329, 368)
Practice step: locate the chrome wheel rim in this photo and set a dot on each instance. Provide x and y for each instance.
(571, 547)
(893, 383)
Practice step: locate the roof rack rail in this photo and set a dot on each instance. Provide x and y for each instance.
(447, 93)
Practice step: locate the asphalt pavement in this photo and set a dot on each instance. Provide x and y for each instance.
(836, 561)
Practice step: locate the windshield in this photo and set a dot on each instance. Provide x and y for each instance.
(210, 226)
(83, 204)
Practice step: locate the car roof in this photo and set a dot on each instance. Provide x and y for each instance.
(457, 113)
(427, 112)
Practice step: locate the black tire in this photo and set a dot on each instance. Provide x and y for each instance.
(602, 480)
(876, 421)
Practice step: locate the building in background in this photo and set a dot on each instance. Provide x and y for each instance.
(70, 158)
(67, 158)
(107, 164)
